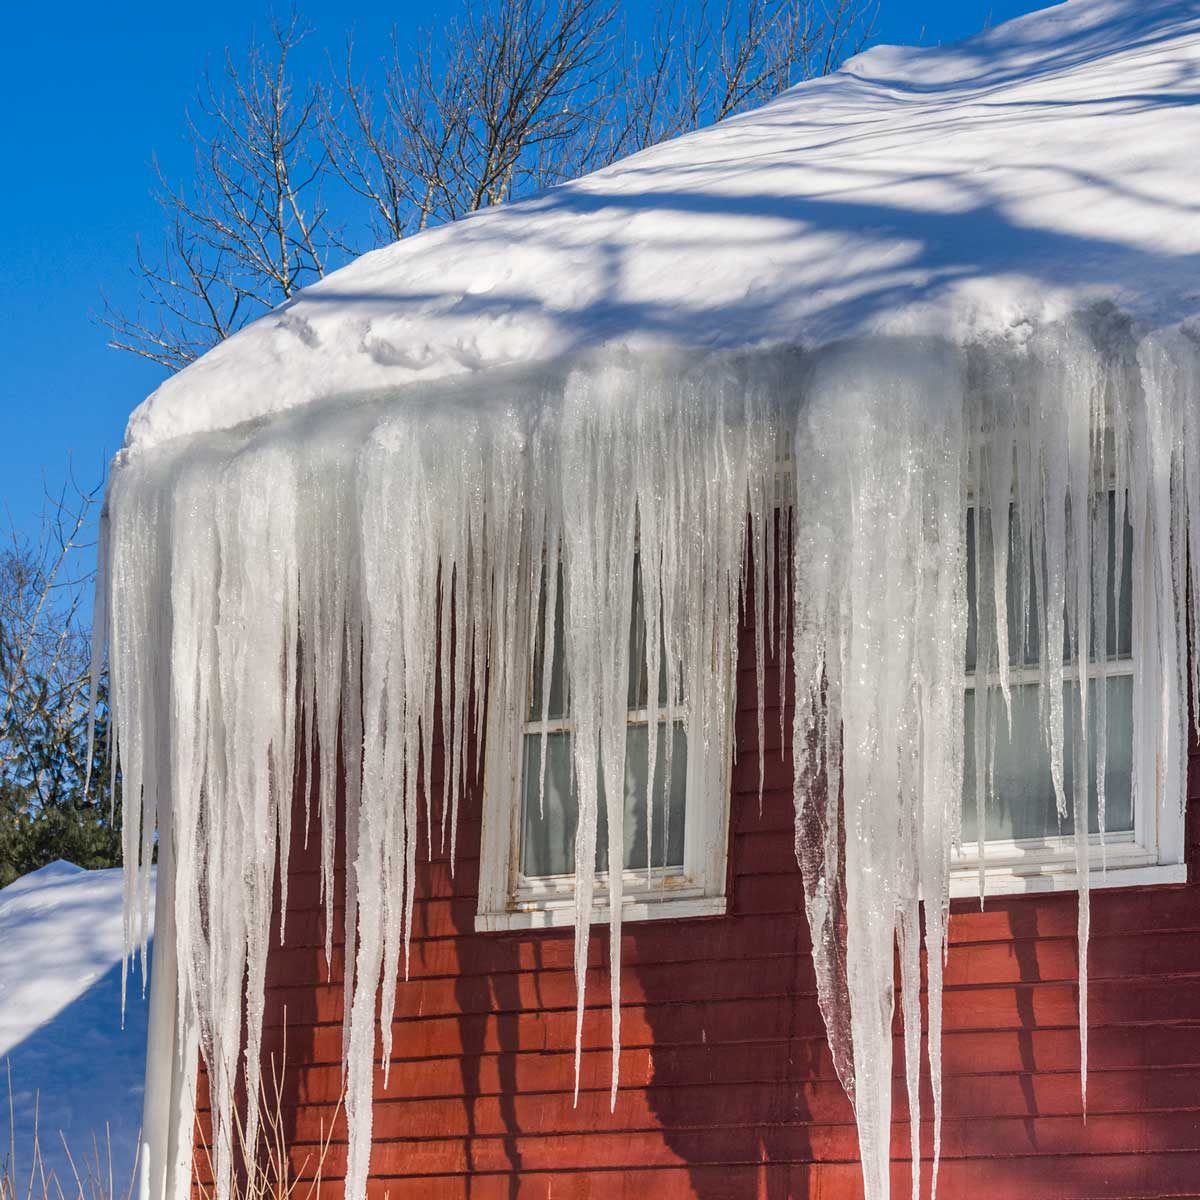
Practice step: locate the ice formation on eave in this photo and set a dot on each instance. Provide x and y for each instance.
(258, 582)
(894, 443)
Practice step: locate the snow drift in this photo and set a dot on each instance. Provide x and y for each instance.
(890, 278)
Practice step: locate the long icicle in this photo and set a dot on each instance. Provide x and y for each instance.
(305, 582)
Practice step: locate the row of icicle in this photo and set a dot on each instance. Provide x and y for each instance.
(360, 577)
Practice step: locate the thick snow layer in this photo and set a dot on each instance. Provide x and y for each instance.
(69, 1059)
(1020, 175)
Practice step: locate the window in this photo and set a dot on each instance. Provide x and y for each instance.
(675, 830)
(1027, 845)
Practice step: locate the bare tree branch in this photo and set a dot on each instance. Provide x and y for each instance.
(476, 114)
(509, 98)
(251, 229)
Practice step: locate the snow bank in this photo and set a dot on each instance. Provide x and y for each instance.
(69, 1058)
(936, 281)
(1017, 176)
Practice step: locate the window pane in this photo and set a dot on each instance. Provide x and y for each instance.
(558, 683)
(1119, 634)
(548, 840)
(1025, 644)
(1023, 805)
(639, 691)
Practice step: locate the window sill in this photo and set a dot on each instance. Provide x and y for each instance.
(1060, 877)
(560, 913)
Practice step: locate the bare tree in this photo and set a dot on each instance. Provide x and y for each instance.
(705, 63)
(515, 97)
(47, 755)
(252, 228)
(511, 97)
(476, 114)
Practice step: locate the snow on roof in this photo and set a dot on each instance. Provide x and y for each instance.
(1014, 177)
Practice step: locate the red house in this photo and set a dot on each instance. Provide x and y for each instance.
(583, 663)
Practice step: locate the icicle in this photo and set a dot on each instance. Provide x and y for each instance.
(657, 470)
(358, 580)
(133, 573)
(880, 650)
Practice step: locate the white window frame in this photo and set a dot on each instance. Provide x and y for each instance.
(1151, 854)
(510, 900)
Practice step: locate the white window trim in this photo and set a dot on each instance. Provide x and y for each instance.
(1151, 855)
(1016, 868)
(508, 900)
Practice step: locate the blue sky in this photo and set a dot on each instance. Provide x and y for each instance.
(89, 94)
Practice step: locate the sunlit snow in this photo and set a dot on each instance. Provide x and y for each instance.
(70, 1067)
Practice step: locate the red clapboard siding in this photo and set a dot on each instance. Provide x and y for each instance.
(728, 1090)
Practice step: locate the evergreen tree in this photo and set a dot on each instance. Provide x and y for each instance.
(45, 811)
(49, 808)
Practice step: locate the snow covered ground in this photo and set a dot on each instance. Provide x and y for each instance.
(69, 1059)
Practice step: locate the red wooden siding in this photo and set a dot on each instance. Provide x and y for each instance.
(727, 1086)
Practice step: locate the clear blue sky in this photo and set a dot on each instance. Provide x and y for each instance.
(90, 93)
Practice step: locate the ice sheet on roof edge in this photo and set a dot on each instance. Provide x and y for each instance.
(251, 583)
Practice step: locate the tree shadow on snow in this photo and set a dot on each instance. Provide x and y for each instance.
(80, 1077)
